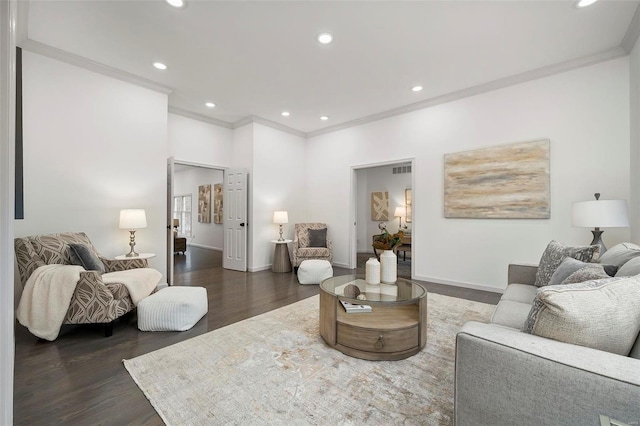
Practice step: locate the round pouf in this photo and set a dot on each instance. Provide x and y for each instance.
(173, 308)
(313, 271)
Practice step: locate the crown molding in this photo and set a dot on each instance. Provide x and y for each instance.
(268, 123)
(79, 61)
(501, 83)
(633, 32)
(200, 117)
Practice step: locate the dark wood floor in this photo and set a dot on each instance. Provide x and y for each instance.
(79, 379)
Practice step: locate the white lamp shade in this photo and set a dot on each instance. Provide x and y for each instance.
(600, 214)
(280, 217)
(133, 219)
(400, 212)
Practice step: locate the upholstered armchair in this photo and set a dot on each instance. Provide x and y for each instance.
(309, 244)
(93, 301)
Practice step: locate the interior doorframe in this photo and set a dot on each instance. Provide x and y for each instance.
(353, 210)
(170, 202)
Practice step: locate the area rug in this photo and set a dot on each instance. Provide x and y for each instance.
(275, 369)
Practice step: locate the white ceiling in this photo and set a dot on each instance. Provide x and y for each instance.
(258, 58)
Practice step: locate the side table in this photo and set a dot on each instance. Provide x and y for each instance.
(281, 260)
(139, 256)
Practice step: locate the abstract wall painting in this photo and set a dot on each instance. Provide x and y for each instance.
(204, 203)
(408, 203)
(217, 203)
(379, 206)
(502, 182)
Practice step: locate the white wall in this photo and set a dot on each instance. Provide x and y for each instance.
(585, 114)
(634, 92)
(8, 14)
(242, 158)
(279, 180)
(187, 181)
(197, 142)
(377, 179)
(92, 145)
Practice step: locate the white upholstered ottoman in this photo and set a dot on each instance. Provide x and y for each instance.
(313, 271)
(173, 308)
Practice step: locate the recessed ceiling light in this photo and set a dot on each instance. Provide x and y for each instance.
(210, 105)
(585, 3)
(176, 3)
(324, 118)
(285, 113)
(325, 38)
(416, 88)
(160, 65)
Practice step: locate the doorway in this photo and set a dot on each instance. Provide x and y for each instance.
(395, 180)
(197, 231)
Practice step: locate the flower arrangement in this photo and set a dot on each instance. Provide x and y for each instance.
(387, 241)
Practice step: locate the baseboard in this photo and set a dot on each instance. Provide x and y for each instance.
(204, 247)
(459, 284)
(341, 265)
(259, 268)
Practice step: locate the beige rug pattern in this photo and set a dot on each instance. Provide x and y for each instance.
(275, 369)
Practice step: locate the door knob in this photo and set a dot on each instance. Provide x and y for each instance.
(242, 224)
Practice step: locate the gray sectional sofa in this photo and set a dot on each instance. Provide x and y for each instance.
(504, 376)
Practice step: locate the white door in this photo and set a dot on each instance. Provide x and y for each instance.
(234, 255)
(169, 220)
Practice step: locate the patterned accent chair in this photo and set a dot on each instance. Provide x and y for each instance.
(301, 249)
(93, 301)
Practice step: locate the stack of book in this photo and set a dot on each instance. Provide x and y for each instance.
(352, 308)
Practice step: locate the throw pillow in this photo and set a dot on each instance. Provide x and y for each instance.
(318, 237)
(630, 268)
(620, 254)
(589, 272)
(600, 314)
(553, 256)
(570, 265)
(82, 255)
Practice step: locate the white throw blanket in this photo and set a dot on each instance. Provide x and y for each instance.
(45, 299)
(140, 281)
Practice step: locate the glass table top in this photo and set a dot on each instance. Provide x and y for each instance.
(402, 291)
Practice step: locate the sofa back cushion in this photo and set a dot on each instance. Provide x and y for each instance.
(38, 250)
(601, 314)
(620, 254)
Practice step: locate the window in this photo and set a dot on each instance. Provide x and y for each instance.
(182, 212)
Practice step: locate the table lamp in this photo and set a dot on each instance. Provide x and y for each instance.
(176, 225)
(132, 219)
(280, 218)
(599, 214)
(400, 213)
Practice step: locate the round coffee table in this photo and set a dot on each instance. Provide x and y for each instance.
(396, 327)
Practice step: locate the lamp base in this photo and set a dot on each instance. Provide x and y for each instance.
(132, 243)
(597, 240)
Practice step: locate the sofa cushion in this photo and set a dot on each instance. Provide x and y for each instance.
(570, 265)
(620, 254)
(82, 255)
(600, 314)
(553, 256)
(511, 314)
(523, 293)
(630, 268)
(587, 273)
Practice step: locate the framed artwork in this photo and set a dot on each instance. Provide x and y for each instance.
(204, 203)
(217, 203)
(379, 206)
(502, 182)
(407, 204)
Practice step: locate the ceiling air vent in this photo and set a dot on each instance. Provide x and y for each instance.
(401, 169)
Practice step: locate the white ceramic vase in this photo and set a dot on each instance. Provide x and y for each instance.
(372, 271)
(388, 267)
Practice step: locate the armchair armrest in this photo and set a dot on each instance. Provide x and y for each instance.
(522, 273)
(93, 301)
(506, 377)
(114, 265)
